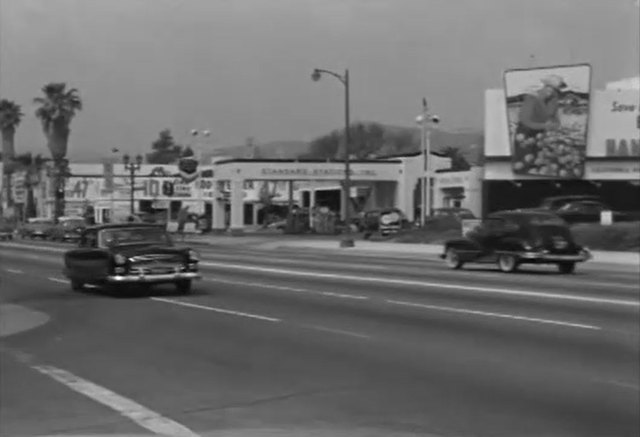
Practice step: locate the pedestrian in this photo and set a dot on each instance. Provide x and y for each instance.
(183, 216)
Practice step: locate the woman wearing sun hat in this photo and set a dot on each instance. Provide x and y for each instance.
(537, 116)
(539, 111)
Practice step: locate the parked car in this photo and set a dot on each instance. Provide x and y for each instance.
(117, 255)
(7, 230)
(385, 221)
(588, 211)
(456, 213)
(38, 227)
(556, 202)
(67, 229)
(513, 238)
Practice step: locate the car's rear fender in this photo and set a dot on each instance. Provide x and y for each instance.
(467, 249)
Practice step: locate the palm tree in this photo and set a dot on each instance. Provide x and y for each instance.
(56, 110)
(10, 117)
(33, 166)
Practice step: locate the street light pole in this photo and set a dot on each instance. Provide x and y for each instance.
(132, 168)
(425, 120)
(347, 241)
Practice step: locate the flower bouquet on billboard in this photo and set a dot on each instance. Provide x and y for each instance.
(548, 114)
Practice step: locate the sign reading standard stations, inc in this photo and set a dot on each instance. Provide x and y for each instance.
(614, 130)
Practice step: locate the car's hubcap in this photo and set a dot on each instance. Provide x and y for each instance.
(452, 258)
(507, 262)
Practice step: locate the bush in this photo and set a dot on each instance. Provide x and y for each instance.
(623, 236)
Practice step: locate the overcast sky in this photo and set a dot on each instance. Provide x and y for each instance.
(242, 68)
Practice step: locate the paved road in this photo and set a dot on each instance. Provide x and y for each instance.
(299, 343)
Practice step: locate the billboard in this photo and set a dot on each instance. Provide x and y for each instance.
(614, 131)
(548, 115)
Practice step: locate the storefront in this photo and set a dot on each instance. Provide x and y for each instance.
(611, 164)
(230, 193)
(459, 189)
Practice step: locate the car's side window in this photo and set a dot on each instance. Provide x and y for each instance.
(89, 239)
(494, 225)
(594, 208)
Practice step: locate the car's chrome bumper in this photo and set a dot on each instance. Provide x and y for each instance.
(552, 257)
(151, 278)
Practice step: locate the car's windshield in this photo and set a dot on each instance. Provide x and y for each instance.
(465, 213)
(39, 221)
(73, 223)
(545, 220)
(133, 236)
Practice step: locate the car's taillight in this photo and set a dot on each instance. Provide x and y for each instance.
(119, 259)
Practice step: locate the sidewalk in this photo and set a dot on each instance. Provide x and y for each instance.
(17, 318)
(364, 247)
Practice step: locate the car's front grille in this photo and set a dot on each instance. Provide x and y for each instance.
(155, 269)
(157, 258)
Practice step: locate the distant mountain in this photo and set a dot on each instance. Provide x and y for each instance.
(271, 150)
(469, 141)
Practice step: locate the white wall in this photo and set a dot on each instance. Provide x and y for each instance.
(470, 182)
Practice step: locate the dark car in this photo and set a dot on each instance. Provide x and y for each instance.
(455, 213)
(512, 238)
(36, 228)
(67, 229)
(556, 202)
(6, 230)
(588, 211)
(385, 221)
(117, 255)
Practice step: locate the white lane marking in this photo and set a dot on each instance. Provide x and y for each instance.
(622, 302)
(16, 271)
(621, 384)
(218, 310)
(489, 290)
(337, 331)
(61, 281)
(293, 289)
(491, 314)
(139, 414)
(635, 287)
(343, 296)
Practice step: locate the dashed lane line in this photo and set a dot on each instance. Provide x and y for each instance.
(338, 331)
(415, 283)
(622, 302)
(292, 289)
(493, 315)
(61, 281)
(16, 271)
(217, 310)
(139, 414)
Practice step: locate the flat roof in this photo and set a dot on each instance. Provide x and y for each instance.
(308, 161)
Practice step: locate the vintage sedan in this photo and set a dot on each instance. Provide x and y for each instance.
(37, 227)
(513, 238)
(117, 255)
(67, 229)
(7, 229)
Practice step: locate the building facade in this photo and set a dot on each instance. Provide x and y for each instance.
(611, 166)
(231, 192)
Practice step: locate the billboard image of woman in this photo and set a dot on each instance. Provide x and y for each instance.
(548, 113)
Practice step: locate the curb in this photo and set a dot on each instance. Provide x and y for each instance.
(391, 250)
